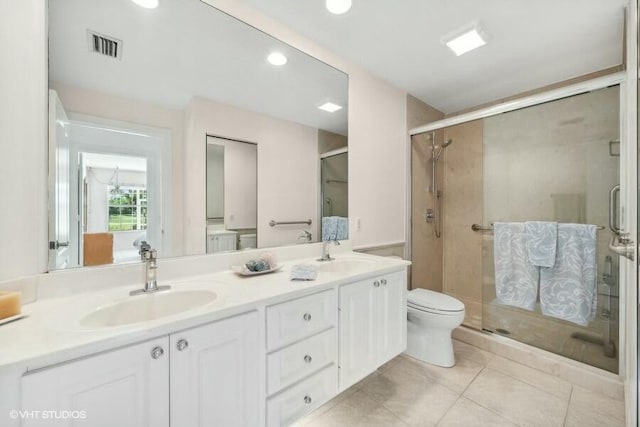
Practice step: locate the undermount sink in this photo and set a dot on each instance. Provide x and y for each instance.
(146, 307)
(345, 265)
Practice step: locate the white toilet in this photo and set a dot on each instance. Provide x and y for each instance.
(431, 317)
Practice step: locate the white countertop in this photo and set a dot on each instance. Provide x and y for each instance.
(52, 333)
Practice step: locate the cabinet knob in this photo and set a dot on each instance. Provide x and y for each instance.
(157, 352)
(306, 317)
(182, 345)
(376, 283)
(308, 359)
(383, 282)
(307, 399)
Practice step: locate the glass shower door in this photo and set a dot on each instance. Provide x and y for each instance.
(558, 162)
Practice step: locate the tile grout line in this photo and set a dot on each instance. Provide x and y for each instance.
(566, 414)
(483, 406)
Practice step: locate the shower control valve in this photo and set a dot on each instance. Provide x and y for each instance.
(430, 216)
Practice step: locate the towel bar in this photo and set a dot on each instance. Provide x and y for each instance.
(273, 223)
(478, 227)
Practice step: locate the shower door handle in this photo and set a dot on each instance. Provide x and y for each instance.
(614, 195)
(622, 245)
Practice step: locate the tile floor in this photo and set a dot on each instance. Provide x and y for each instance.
(483, 389)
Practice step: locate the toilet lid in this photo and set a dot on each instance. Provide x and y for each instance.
(434, 300)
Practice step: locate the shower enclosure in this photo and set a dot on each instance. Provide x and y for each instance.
(556, 161)
(334, 183)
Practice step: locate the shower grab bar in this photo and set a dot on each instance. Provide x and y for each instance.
(273, 223)
(478, 227)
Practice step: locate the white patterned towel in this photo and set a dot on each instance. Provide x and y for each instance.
(568, 289)
(516, 277)
(542, 238)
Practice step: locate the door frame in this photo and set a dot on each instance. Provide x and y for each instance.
(158, 153)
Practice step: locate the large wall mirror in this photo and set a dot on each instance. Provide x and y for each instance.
(175, 125)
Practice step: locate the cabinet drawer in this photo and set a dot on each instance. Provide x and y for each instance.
(297, 401)
(294, 320)
(293, 363)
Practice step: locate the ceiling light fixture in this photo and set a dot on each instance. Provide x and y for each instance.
(466, 41)
(330, 107)
(338, 7)
(276, 58)
(147, 4)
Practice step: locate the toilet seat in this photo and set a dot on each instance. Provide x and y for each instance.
(434, 302)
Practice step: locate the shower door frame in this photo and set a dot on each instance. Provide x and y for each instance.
(628, 181)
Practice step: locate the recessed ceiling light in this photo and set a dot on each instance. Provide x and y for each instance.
(276, 58)
(330, 107)
(338, 7)
(147, 4)
(465, 42)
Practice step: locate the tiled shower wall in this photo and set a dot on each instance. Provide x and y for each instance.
(426, 249)
(463, 202)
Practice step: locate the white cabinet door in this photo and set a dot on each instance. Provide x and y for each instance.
(125, 388)
(215, 374)
(357, 332)
(391, 316)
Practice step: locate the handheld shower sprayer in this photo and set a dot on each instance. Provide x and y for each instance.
(436, 151)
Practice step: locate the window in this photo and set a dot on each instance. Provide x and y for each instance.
(127, 208)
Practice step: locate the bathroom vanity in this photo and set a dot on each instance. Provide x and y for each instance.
(257, 351)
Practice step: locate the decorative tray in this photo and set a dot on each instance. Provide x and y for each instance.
(243, 271)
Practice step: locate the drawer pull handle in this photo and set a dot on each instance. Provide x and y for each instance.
(307, 399)
(307, 317)
(308, 359)
(383, 282)
(376, 283)
(182, 345)
(157, 352)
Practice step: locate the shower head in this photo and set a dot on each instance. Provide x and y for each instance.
(437, 149)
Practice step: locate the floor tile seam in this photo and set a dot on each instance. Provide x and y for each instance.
(566, 414)
(493, 411)
(527, 382)
(448, 410)
(530, 385)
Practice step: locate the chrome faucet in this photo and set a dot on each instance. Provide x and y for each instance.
(305, 236)
(325, 250)
(150, 257)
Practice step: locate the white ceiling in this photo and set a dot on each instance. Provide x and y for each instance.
(532, 43)
(186, 48)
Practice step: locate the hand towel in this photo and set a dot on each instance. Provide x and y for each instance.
(304, 272)
(343, 228)
(541, 242)
(516, 278)
(329, 228)
(568, 289)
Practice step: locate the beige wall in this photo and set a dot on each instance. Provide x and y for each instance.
(23, 133)
(287, 171)
(462, 207)
(426, 248)
(328, 141)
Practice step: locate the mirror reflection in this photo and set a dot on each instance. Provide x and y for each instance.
(231, 195)
(172, 126)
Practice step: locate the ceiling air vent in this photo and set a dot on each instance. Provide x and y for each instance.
(104, 45)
